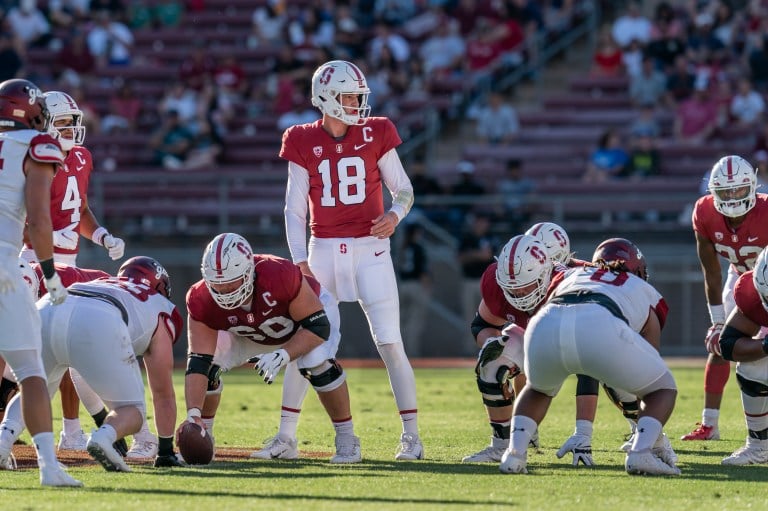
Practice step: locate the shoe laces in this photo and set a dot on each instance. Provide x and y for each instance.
(408, 442)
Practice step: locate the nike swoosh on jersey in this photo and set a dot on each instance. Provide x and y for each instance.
(358, 147)
(266, 312)
(751, 239)
(377, 254)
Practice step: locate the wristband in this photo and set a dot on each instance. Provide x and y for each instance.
(48, 269)
(194, 412)
(765, 344)
(99, 235)
(716, 313)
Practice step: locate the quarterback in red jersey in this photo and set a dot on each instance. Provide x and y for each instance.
(739, 341)
(336, 168)
(70, 213)
(260, 308)
(730, 222)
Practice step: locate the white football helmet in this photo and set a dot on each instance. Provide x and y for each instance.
(228, 258)
(733, 184)
(555, 239)
(760, 276)
(30, 277)
(523, 272)
(335, 78)
(61, 106)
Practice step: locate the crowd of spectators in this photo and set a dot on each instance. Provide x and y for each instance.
(704, 61)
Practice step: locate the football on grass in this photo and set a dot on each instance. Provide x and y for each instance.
(195, 444)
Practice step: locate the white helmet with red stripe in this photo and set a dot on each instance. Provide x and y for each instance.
(523, 272)
(228, 270)
(555, 239)
(66, 119)
(733, 184)
(335, 78)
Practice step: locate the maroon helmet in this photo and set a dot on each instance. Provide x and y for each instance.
(620, 249)
(147, 271)
(22, 106)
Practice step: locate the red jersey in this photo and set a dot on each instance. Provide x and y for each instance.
(277, 282)
(498, 304)
(69, 275)
(345, 188)
(69, 189)
(748, 300)
(739, 246)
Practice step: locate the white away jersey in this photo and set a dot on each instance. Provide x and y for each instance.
(144, 306)
(632, 295)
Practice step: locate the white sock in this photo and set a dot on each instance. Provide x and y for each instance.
(648, 431)
(46, 454)
(523, 429)
(344, 427)
(71, 426)
(710, 416)
(403, 383)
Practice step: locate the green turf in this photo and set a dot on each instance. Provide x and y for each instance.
(452, 425)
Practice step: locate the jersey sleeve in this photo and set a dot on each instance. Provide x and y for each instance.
(280, 277)
(197, 300)
(291, 146)
(748, 300)
(391, 138)
(700, 216)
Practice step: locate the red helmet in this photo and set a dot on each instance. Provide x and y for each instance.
(22, 106)
(620, 249)
(147, 271)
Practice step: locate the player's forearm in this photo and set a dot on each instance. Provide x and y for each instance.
(195, 386)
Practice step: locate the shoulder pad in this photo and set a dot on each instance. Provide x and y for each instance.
(44, 148)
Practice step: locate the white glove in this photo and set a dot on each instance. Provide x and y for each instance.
(7, 281)
(66, 238)
(57, 293)
(270, 364)
(115, 246)
(712, 341)
(581, 447)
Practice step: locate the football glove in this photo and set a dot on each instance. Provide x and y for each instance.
(712, 341)
(57, 293)
(168, 460)
(66, 238)
(581, 447)
(115, 246)
(270, 364)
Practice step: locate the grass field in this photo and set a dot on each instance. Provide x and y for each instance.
(452, 425)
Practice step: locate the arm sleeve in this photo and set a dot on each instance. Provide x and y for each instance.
(296, 195)
(397, 182)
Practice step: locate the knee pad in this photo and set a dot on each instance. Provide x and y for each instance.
(325, 377)
(25, 364)
(215, 384)
(752, 388)
(496, 394)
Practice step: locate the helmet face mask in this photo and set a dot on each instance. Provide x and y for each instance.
(555, 239)
(340, 90)
(523, 272)
(66, 123)
(624, 251)
(147, 271)
(733, 185)
(22, 106)
(228, 270)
